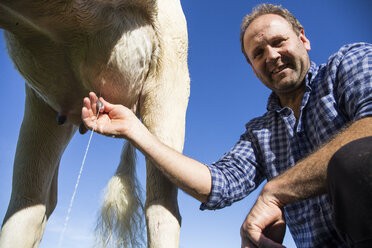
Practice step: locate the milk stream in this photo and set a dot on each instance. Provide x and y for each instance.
(77, 183)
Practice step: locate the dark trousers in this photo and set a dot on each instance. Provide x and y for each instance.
(350, 191)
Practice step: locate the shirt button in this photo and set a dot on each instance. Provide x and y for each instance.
(316, 208)
(287, 112)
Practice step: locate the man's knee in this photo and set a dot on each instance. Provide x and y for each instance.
(353, 160)
(350, 190)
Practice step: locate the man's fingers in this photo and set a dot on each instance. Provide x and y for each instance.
(93, 102)
(276, 231)
(107, 107)
(261, 235)
(245, 234)
(268, 243)
(85, 113)
(257, 239)
(88, 117)
(246, 243)
(86, 103)
(92, 95)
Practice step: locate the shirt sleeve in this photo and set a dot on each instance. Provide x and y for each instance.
(234, 175)
(354, 77)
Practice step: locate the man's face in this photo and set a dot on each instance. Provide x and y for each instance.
(278, 56)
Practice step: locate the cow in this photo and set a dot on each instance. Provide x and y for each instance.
(131, 52)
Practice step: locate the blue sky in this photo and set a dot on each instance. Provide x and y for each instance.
(224, 95)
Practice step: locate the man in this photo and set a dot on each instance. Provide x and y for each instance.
(312, 145)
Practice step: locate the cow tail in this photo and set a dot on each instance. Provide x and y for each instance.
(120, 221)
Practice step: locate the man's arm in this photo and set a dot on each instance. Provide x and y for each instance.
(188, 174)
(304, 180)
(308, 177)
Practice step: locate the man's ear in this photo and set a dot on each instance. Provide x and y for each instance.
(305, 41)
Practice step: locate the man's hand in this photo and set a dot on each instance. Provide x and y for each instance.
(112, 120)
(265, 224)
(188, 174)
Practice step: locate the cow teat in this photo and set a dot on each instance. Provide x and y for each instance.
(83, 129)
(99, 106)
(61, 119)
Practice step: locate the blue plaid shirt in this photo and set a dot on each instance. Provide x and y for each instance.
(336, 94)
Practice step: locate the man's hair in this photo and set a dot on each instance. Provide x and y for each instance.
(264, 9)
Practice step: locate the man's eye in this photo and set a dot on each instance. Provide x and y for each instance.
(257, 54)
(277, 43)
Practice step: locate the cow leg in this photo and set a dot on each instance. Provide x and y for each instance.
(163, 113)
(40, 146)
(163, 219)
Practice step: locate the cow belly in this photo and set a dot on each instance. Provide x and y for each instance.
(120, 79)
(113, 62)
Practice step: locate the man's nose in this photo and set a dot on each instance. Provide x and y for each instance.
(272, 54)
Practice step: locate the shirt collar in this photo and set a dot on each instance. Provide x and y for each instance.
(273, 103)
